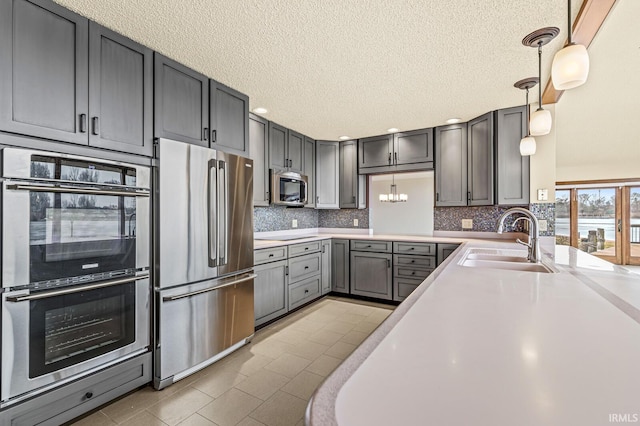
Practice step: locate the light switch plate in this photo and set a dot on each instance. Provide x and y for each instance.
(294, 223)
(542, 225)
(355, 222)
(467, 223)
(543, 195)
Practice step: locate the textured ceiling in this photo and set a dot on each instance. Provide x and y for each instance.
(328, 68)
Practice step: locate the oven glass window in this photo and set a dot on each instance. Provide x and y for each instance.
(291, 190)
(72, 328)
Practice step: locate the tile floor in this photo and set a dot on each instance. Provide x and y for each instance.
(267, 382)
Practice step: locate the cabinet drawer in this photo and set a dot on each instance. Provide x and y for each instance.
(269, 255)
(403, 287)
(304, 248)
(409, 272)
(304, 266)
(424, 262)
(370, 245)
(303, 292)
(414, 248)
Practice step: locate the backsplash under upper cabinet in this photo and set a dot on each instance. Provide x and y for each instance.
(280, 218)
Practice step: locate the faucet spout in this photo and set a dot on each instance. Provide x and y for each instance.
(533, 246)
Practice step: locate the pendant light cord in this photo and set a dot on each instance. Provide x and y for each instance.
(526, 113)
(540, 75)
(569, 23)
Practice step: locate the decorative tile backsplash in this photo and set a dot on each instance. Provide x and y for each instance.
(343, 218)
(546, 211)
(279, 218)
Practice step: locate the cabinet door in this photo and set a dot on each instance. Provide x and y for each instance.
(371, 274)
(326, 267)
(181, 104)
(43, 71)
(120, 92)
(480, 161)
(327, 170)
(295, 151)
(229, 119)
(310, 170)
(270, 291)
(277, 147)
(445, 250)
(512, 171)
(375, 152)
(451, 165)
(348, 175)
(340, 266)
(414, 147)
(258, 141)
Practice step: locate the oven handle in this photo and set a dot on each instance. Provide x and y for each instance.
(74, 190)
(206, 290)
(47, 294)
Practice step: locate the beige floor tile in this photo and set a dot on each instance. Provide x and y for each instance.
(303, 385)
(290, 335)
(351, 318)
(366, 327)
(324, 365)
(144, 418)
(300, 422)
(320, 316)
(325, 337)
(354, 337)
(219, 381)
(177, 407)
(95, 419)
(340, 350)
(288, 365)
(306, 326)
(271, 348)
(231, 407)
(248, 421)
(196, 420)
(308, 350)
(339, 326)
(248, 363)
(378, 315)
(132, 404)
(282, 409)
(262, 384)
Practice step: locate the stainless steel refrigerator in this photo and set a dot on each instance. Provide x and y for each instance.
(203, 249)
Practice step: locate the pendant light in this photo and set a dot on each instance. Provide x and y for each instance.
(393, 196)
(528, 143)
(540, 123)
(570, 66)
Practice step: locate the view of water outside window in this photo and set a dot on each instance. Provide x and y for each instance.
(563, 217)
(597, 220)
(634, 232)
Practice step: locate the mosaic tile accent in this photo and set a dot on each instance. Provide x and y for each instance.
(546, 211)
(343, 218)
(279, 218)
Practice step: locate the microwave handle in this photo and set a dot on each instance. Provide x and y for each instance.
(212, 195)
(223, 217)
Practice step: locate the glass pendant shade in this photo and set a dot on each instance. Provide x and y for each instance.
(540, 123)
(527, 146)
(570, 67)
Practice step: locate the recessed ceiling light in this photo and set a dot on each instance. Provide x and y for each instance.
(454, 120)
(260, 110)
(392, 130)
(344, 138)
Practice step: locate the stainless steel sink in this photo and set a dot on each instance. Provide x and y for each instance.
(513, 260)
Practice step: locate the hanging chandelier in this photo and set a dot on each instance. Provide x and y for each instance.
(393, 196)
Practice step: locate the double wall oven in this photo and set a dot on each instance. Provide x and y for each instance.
(75, 268)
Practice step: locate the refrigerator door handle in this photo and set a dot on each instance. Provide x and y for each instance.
(212, 195)
(207, 290)
(223, 217)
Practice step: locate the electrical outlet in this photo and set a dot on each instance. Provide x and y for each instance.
(294, 223)
(543, 195)
(467, 223)
(542, 225)
(355, 222)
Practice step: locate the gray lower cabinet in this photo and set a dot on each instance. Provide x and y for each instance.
(371, 274)
(451, 165)
(181, 102)
(445, 250)
(412, 263)
(259, 142)
(270, 291)
(325, 284)
(303, 291)
(512, 169)
(340, 266)
(403, 287)
(229, 119)
(480, 161)
(328, 175)
(309, 170)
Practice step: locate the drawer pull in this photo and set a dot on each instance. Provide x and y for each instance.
(306, 267)
(413, 261)
(306, 291)
(411, 248)
(306, 248)
(88, 395)
(369, 246)
(413, 273)
(270, 254)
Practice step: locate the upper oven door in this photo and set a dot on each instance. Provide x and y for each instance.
(289, 189)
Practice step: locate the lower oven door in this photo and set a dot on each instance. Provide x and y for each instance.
(52, 337)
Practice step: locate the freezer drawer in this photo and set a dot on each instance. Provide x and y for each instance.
(198, 323)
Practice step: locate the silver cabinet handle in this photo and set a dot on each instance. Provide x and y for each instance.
(62, 292)
(212, 213)
(83, 123)
(205, 133)
(78, 190)
(95, 126)
(207, 290)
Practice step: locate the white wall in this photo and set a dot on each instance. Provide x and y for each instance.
(414, 217)
(542, 173)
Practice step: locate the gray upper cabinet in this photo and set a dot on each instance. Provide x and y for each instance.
(44, 79)
(375, 153)
(295, 151)
(181, 102)
(451, 165)
(340, 266)
(120, 92)
(229, 119)
(327, 171)
(348, 175)
(310, 170)
(480, 161)
(512, 169)
(415, 147)
(278, 147)
(258, 142)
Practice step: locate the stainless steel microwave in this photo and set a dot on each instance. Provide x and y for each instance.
(288, 188)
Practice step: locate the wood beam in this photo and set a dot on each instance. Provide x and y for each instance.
(589, 20)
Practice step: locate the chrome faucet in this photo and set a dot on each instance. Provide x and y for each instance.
(533, 245)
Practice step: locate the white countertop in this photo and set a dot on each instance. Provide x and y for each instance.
(497, 347)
